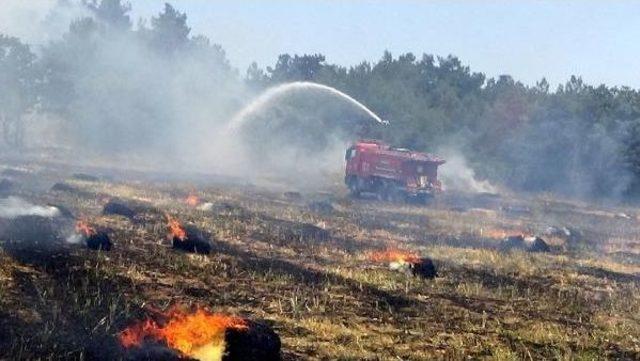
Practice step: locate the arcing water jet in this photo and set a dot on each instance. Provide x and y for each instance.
(278, 91)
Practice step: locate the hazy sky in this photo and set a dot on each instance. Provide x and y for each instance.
(526, 39)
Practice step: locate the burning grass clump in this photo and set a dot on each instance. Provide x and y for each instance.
(193, 200)
(188, 239)
(92, 238)
(405, 262)
(50, 234)
(198, 335)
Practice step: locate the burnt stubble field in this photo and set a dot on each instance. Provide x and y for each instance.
(300, 263)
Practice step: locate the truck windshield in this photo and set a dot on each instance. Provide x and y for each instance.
(351, 152)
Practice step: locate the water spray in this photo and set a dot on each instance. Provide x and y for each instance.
(281, 90)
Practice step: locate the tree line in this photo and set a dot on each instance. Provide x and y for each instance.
(577, 139)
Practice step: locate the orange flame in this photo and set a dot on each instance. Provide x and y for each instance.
(136, 333)
(394, 255)
(184, 332)
(192, 200)
(83, 228)
(175, 229)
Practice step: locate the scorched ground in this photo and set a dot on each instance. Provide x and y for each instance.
(309, 274)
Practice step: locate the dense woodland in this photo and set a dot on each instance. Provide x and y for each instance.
(107, 74)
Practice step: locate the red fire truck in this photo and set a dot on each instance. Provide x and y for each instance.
(391, 173)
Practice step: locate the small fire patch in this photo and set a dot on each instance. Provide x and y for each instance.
(405, 262)
(200, 335)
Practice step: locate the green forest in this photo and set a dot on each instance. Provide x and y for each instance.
(106, 73)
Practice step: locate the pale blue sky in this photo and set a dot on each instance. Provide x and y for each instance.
(599, 40)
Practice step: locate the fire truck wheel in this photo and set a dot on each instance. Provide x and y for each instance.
(391, 193)
(354, 189)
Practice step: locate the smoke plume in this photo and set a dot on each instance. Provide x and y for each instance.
(155, 96)
(40, 21)
(457, 175)
(12, 207)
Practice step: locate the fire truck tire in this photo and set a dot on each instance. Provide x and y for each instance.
(380, 187)
(389, 191)
(354, 186)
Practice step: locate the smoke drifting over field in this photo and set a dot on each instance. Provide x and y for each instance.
(159, 97)
(457, 175)
(37, 22)
(152, 94)
(300, 129)
(13, 207)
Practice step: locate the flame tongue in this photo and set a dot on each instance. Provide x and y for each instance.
(188, 333)
(83, 228)
(192, 200)
(135, 334)
(199, 335)
(175, 229)
(394, 256)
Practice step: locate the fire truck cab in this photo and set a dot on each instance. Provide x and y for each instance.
(391, 173)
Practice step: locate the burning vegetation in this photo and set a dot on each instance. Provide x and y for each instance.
(292, 262)
(188, 239)
(287, 259)
(176, 231)
(192, 200)
(199, 334)
(202, 335)
(405, 262)
(92, 238)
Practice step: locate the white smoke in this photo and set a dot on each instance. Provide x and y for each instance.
(74, 238)
(138, 105)
(457, 175)
(12, 207)
(37, 22)
(295, 133)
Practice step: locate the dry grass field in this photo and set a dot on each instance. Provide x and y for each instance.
(305, 271)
